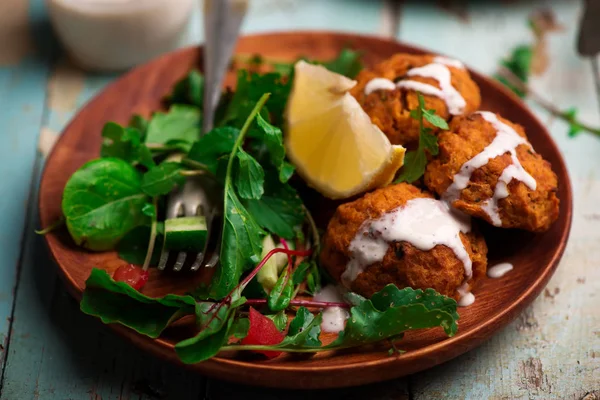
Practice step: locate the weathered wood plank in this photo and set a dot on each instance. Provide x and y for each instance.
(22, 78)
(551, 351)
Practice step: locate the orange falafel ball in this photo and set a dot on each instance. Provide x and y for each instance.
(390, 109)
(403, 264)
(524, 208)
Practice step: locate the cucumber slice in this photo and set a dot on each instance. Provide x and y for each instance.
(268, 274)
(185, 234)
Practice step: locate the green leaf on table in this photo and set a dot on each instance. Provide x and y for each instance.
(189, 90)
(181, 122)
(348, 63)
(373, 321)
(160, 180)
(279, 210)
(102, 201)
(214, 325)
(272, 137)
(117, 302)
(519, 63)
(126, 144)
(279, 319)
(304, 330)
(281, 294)
(133, 246)
(213, 145)
(574, 126)
(250, 176)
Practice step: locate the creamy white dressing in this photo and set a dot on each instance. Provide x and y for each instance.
(423, 222)
(454, 101)
(379, 84)
(334, 318)
(466, 297)
(506, 141)
(499, 270)
(449, 62)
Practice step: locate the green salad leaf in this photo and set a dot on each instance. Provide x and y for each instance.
(415, 161)
(304, 330)
(213, 145)
(281, 294)
(117, 302)
(279, 319)
(160, 180)
(189, 90)
(181, 123)
(347, 63)
(102, 201)
(272, 138)
(126, 144)
(140, 123)
(134, 245)
(250, 177)
(519, 63)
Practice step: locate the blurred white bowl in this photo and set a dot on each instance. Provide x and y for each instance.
(114, 35)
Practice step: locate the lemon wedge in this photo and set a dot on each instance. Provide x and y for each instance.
(333, 143)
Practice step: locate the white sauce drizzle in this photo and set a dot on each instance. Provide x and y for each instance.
(506, 141)
(334, 318)
(437, 70)
(449, 62)
(466, 297)
(423, 222)
(379, 84)
(499, 270)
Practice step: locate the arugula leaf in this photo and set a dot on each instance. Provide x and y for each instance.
(189, 90)
(415, 161)
(281, 294)
(250, 177)
(272, 137)
(102, 201)
(279, 210)
(214, 144)
(279, 319)
(132, 248)
(215, 324)
(126, 144)
(160, 180)
(301, 272)
(369, 323)
(140, 123)
(304, 330)
(241, 238)
(181, 122)
(117, 302)
(347, 63)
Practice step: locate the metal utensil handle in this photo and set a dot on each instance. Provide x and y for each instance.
(222, 22)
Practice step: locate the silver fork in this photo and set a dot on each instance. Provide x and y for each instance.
(202, 195)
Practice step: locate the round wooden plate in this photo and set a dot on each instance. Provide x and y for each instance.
(499, 301)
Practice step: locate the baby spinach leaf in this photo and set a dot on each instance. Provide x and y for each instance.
(181, 122)
(160, 180)
(132, 248)
(281, 294)
(189, 90)
(241, 238)
(213, 145)
(102, 201)
(126, 144)
(250, 177)
(279, 319)
(117, 302)
(304, 330)
(279, 210)
(273, 139)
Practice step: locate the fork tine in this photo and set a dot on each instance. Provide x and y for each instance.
(196, 265)
(180, 260)
(164, 257)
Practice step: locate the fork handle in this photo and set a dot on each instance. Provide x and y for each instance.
(222, 22)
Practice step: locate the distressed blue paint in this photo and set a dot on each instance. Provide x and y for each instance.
(22, 92)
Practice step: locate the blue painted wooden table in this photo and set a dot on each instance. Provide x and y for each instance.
(49, 350)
